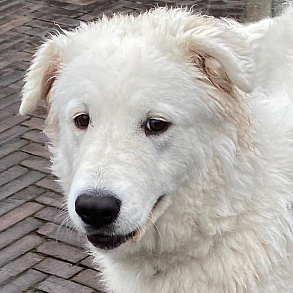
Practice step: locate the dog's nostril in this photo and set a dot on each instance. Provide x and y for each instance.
(97, 211)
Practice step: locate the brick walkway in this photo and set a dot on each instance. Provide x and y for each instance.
(36, 254)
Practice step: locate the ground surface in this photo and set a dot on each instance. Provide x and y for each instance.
(36, 254)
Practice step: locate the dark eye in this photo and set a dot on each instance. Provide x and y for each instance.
(156, 126)
(82, 121)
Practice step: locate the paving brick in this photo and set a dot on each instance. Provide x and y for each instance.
(12, 133)
(9, 36)
(13, 24)
(11, 110)
(34, 41)
(89, 263)
(11, 41)
(49, 230)
(4, 63)
(56, 285)
(9, 69)
(11, 78)
(18, 248)
(65, 5)
(31, 49)
(11, 160)
(52, 199)
(62, 251)
(50, 183)
(22, 30)
(20, 65)
(22, 182)
(11, 146)
(9, 5)
(35, 123)
(18, 231)
(23, 282)
(57, 268)
(37, 163)
(18, 266)
(41, 24)
(37, 32)
(36, 136)
(17, 86)
(5, 92)
(18, 214)
(57, 12)
(11, 174)
(11, 121)
(89, 8)
(52, 215)
(9, 100)
(18, 198)
(13, 58)
(60, 19)
(63, 234)
(36, 150)
(5, 19)
(88, 17)
(91, 279)
(35, 5)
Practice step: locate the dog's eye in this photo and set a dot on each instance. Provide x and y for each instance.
(156, 126)
(82, 121)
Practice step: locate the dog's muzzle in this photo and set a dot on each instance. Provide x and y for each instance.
(99, 211)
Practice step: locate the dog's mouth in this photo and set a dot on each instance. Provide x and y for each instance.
(108, 242)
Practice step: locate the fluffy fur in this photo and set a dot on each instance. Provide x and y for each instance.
(225, 165)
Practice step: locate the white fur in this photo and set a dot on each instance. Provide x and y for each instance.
(225, 165)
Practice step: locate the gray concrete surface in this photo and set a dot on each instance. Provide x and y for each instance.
(258, 9)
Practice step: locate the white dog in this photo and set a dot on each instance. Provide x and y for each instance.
(172, 136)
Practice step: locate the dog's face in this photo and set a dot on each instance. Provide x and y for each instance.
(133, 117)
(125, 133)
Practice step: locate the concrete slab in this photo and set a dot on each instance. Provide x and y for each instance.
(258, 9)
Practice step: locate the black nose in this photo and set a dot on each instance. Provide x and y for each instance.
(96, 210)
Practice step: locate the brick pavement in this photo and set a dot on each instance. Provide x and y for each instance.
(36, 254)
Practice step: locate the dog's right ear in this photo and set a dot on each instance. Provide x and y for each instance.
(42, 73)
(221, 53)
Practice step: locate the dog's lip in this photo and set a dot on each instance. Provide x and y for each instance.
(108, 242)
(157, 202)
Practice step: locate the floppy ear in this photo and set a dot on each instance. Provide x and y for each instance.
(42, 73)
(220, 52)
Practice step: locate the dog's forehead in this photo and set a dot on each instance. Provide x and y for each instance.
(119, 78)
(113, 68)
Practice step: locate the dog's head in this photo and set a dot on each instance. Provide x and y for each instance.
(135, 105)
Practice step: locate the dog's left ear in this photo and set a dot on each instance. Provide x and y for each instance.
(220, 52)
(43, 72)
